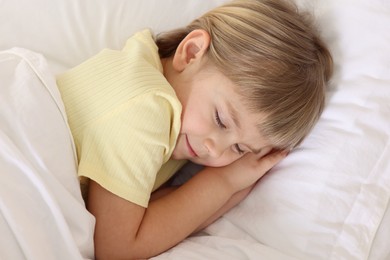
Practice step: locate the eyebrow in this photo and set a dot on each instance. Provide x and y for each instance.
(234, 114)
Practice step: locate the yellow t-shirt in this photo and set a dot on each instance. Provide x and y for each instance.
(125, 119)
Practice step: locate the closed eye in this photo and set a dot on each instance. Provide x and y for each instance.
(238, 149)
(219, 121)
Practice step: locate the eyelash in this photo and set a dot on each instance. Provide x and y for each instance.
(219, 121)
(238, 149)
(222, 126)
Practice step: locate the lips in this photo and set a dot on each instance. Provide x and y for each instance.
(192, 152)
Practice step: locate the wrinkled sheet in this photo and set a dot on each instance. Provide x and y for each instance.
(42, 214)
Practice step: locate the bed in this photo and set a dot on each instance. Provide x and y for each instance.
(329, 199)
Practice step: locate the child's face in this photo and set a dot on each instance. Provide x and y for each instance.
(217, 128)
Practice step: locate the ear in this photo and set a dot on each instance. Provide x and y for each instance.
(192, 48)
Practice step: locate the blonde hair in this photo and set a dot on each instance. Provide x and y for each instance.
(275, 57)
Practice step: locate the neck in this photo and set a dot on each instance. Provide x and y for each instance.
(168, 69)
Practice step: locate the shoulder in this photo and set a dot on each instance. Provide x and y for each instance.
(158, 107)
(142, 44)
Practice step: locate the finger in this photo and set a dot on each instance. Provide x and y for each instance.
(271, 159)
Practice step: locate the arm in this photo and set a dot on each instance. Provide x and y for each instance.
(126, 230)
(232, 202)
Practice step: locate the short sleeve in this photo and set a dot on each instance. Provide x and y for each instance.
(124, 149)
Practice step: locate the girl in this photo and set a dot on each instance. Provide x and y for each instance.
(244, 79)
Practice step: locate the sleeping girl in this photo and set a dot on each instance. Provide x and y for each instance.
(234, 91)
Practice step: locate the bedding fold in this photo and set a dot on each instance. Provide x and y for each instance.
(42, 214)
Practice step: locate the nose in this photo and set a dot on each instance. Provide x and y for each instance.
(214, 148)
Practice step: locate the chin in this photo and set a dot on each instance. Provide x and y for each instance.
(174, 156)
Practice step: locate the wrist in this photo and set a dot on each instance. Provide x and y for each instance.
(223, 179)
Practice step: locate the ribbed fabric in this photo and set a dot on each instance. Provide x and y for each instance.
(124, 117)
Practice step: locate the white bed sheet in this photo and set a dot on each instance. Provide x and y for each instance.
(42, 214)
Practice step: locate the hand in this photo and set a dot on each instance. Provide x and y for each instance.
(250, 168)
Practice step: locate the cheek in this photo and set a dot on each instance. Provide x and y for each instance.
(265, 151)
(195, 121)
